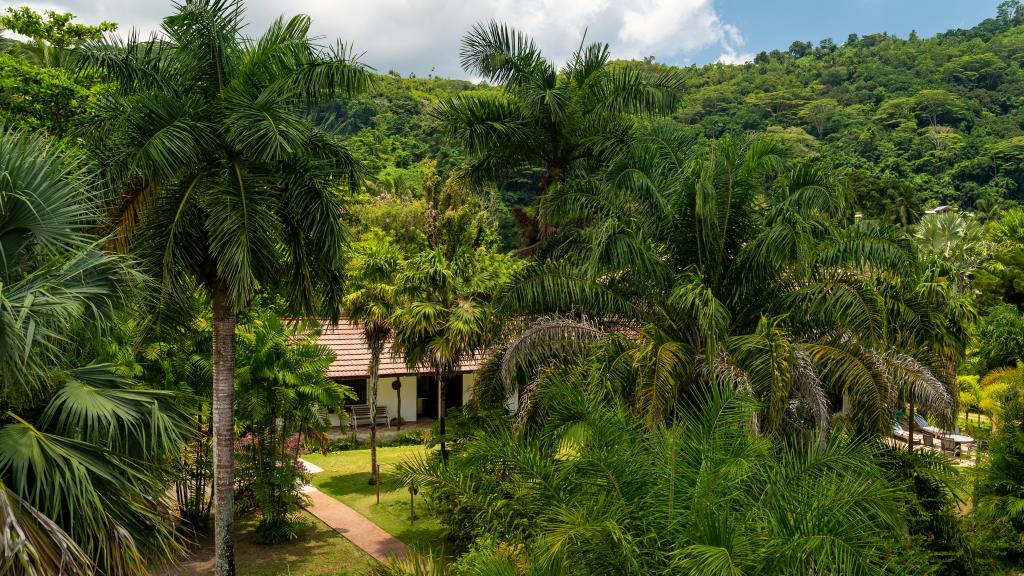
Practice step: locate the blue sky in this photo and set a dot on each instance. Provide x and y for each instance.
(422, 36)
(771, 24)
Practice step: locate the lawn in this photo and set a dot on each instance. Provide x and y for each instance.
(972, 422)
(346, 477)
(318, 551)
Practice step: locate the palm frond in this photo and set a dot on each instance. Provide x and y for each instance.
(500, 54)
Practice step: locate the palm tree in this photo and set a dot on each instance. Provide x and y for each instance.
(952, 240)
(373, 301)
(283, 398)
(221, 178)
(447, 321)
(987, 209)
(591, 490)
(82, 468)
(563, 122)
(690, 262)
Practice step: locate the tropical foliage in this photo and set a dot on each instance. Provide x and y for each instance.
(220, 178)
(999, 493)
(561, 122)
(590, 489)
(689, 261)
(83, 455)
(283, 398)
(52, 36)
(727, 288)
(447, 320)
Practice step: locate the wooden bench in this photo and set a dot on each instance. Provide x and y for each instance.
(359, 415)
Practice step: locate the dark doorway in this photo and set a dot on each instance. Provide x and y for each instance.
(359, 388)
(453, 392)
(426, 397)
(427, 394)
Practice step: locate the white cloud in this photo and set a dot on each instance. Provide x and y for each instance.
(421, 35)
(732, 42)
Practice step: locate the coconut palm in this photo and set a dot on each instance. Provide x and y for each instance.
(81, 467)
(372, 302)
(692, 262)
(562, 122)
(221, 178)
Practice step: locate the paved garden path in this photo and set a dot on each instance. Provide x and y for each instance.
(352, 525)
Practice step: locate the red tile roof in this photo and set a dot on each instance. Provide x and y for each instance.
(353, 357)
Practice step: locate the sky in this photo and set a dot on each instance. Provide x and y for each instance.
(422, 36)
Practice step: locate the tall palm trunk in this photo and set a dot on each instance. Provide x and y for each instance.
(223, 431)
(374, 379)
(440, 415)
(535, 229)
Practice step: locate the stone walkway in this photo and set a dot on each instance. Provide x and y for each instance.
(352, 525)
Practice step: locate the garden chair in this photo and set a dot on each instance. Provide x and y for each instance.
(929, 439)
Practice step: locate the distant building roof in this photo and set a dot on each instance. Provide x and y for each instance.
(353, 357)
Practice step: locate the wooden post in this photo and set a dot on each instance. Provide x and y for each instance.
(412, 505)
(910, 428)
(397, 387)
(378, 483)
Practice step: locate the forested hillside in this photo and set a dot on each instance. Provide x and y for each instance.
(912, 122)
(930, 121)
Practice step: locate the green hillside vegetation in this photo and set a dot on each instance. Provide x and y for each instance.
(929, 121)
(911, 123)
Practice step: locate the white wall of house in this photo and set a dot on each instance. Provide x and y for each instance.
(468, 383)
(386, 396)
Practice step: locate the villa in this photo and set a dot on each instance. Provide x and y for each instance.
(417, 387)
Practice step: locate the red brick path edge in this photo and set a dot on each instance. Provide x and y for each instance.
(354, 526)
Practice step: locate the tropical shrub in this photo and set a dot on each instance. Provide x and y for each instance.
(410, 438)
(39, 98)
(590, 489)
(283, 399)
(931, 490)
(84, 454)
(999, 491)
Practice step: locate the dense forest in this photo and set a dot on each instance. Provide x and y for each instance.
(761, 318)
(911, 123)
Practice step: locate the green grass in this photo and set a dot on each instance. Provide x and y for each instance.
(346, 477)
(318, 551)
(972, 422)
